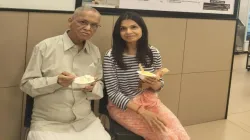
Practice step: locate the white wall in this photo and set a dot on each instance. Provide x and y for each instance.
(62, 5)
(243, 16)
(243, 13)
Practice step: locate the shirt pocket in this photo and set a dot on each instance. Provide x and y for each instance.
(92, 69)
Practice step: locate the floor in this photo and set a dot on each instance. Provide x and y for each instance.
(237, 126)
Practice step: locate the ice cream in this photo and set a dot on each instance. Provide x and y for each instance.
(85, 79)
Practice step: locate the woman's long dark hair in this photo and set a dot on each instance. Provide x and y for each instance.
(119, 45)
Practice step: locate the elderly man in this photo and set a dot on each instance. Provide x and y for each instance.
(62, 111)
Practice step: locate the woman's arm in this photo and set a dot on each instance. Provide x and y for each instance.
(111, 83)
(152, 82)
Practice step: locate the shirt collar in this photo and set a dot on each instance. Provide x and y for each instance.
(68, 43)
(86, 47)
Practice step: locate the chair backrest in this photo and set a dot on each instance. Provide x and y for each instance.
(103, 102)
(28, 111)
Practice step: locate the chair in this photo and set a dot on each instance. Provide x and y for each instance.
(116, 130)
(28, 114)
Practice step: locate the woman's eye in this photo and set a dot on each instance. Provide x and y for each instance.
(122, 28)
(134, 27)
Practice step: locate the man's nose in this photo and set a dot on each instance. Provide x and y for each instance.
(87, 27)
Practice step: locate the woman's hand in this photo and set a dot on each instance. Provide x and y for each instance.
(152, 82)
(153, 120)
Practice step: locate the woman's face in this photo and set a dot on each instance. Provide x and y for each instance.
(130, 31)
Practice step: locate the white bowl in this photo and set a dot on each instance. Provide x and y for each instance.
(83, 81)
(142, 75)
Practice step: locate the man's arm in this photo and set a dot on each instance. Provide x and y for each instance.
(97, 89)
(33, 83)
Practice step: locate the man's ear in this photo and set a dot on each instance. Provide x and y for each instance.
(70, 20)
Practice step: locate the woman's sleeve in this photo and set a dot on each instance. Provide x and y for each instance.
(157, 62)
(111, 83)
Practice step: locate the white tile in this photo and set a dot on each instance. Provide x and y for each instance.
(241, 119)
(218, 130)
(240, 89)
(240, 62)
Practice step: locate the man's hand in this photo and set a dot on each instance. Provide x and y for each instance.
(89, 88)
(65, 79)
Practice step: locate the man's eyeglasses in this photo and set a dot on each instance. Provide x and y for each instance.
(85, 23)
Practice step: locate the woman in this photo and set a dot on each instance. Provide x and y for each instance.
(121, 63)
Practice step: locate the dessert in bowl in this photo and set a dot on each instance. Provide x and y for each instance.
(84, 81)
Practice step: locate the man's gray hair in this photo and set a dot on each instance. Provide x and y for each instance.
(84, 8)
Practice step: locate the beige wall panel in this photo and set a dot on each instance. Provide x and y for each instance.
(170, 94)
(45, 25)
(57, 26)
(115, 19)
(168, 35)
(13, 27)
(103, 36)
(203, 97)
(11, 113)
(209, 45)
